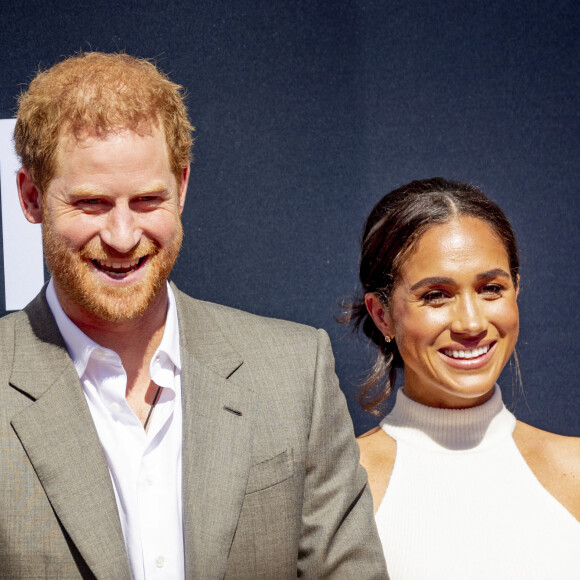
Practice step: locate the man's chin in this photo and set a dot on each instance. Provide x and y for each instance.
(115, 304)
(121, 304)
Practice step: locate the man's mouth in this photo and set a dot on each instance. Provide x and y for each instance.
(467, 353)
(118, 269)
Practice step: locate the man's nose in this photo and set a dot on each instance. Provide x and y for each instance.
(121, 231)
(469, 316)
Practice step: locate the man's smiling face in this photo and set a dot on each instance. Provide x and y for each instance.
(112, 223)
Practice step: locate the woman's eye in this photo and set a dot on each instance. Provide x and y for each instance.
(492, 289)
(434, 297)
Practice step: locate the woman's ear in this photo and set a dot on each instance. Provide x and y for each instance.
(30, 197)
(380, 315)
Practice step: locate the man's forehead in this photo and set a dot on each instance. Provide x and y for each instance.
(71, 140)
(82, 135)
(111, 152)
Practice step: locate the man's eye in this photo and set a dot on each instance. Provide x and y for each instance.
(147, 200)
(91, 204)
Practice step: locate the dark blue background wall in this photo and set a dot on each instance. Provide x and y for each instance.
(308, 112)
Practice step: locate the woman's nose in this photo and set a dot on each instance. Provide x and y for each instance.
(469, 316)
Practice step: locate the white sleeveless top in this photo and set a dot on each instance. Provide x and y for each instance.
(462, 504)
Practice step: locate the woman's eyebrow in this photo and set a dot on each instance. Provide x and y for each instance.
(432, 280)
(493, 274)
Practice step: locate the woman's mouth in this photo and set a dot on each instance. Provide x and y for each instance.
(468, 358)
(467, 354)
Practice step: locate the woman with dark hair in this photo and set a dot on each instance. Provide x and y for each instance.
(462, 490)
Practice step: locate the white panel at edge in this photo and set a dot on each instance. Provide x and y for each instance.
(21, 240)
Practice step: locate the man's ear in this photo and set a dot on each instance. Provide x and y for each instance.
(30, 197)
(380, 314)
(182, 187)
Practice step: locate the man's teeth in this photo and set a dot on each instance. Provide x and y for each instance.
(473, 353)
(118, 265)
(117, 269)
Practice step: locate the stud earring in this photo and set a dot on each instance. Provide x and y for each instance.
(387, 339)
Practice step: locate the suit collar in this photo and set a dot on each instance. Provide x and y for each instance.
(202, 337)
(37, 338)
(37, 345)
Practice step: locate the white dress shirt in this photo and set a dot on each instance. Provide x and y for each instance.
(145, 467)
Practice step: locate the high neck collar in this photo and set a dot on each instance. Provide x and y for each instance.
(450, 429)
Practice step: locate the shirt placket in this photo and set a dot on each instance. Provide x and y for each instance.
(156, 510)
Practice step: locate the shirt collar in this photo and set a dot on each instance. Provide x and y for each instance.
(80, 347)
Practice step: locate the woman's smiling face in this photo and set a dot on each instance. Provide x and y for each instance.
(453, 314)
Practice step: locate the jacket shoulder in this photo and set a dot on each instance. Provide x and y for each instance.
(7, 329)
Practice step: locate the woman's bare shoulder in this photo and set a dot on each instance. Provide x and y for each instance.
(377, 456)
(545, 446)
(375, 445)
(555, 461)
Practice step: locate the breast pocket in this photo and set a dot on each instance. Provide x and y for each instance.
(265, 544)
(269, 472)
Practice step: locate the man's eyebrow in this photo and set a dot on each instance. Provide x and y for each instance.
(87, 191)
(152, 189)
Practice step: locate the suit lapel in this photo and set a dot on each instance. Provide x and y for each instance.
(217, 418)
(60, 439)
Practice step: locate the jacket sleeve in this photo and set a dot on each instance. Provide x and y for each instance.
(339, 537)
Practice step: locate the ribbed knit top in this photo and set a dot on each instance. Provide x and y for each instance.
(462, 504)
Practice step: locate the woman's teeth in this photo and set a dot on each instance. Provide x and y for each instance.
(473, 353)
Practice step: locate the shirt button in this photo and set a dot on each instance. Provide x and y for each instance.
(160, 561)
(149, 480)
(115, 407)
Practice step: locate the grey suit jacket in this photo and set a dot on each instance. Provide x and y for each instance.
(271, 483)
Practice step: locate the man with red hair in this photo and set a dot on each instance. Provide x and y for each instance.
(145, 434)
